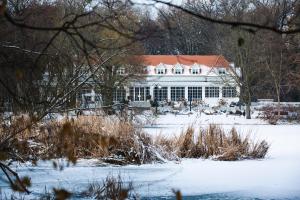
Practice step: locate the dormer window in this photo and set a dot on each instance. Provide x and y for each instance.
(178, 70)
(196, 70)
(222, 71)
(160, 70)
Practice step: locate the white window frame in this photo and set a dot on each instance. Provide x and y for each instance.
(119, 94)
(229, 92)
(212, 92)
(160, 70)
(178, 69)
(121, 71)
(177, 93)
(160, 93)
(139, 93)
(196, 70)
(194, 93)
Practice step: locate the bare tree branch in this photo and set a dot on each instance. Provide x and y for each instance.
(248, 26)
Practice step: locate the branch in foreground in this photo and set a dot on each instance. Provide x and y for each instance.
(231, 23)
(18, 184)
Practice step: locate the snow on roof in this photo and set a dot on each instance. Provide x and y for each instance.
(189, 60)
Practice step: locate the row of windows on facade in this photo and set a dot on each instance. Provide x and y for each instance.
(175, 71)
(181, 71)
(161, 94)
(177, 93)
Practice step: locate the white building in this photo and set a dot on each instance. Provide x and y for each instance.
(172, 78)
(184, 77)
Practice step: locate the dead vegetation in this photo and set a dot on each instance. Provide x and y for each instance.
(115, 142)
(107, 138)
(119, 142)
(110, 188)
(273, 115)
(214, 142)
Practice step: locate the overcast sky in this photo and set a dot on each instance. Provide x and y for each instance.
(151, 1)
(151, 6)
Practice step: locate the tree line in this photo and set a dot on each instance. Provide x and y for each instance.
(50, 49)
(62, 45)
(269, 61)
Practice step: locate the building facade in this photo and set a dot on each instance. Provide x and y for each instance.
(170, 78)
(183, 78)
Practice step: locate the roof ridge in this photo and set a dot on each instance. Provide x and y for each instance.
(208, 60)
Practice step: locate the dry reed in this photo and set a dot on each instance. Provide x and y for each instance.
(214, 142)
(119, 142)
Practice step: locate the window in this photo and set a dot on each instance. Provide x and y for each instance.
(119, 94)
(139, 93)
(195, 70)
(161, 94)
(222, 71)
(212, 92)
(177, 93)
(194, 93)
(178, 70)
(161, 70)
(229, 92)
(121, 71)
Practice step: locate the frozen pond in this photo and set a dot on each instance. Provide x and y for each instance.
(276, 177)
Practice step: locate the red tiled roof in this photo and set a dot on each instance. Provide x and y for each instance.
(209, 60)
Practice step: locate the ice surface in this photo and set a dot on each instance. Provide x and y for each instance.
(277, 176)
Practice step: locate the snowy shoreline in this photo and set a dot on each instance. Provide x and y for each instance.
(276, 176)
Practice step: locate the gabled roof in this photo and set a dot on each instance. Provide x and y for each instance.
(208, 60)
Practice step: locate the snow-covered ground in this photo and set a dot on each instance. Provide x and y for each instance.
(277, 176)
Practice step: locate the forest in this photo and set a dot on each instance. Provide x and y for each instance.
(50, 50)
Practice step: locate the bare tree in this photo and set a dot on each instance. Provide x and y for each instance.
(276, 65)
(46, 55)
(286, 11)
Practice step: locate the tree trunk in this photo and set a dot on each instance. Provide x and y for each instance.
(278, 102)
(107, 100)
(248, 111)
(248, 106)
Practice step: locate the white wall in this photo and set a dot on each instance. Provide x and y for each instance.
(208, 77)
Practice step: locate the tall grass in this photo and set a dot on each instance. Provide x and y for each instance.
(214, 142)
(110, 188)
(120, 142)
(107, 138)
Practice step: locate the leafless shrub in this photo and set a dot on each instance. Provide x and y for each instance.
(111, 189)
(269, 115)
(259, 150)
(215, 143)
(166, 147)
(107, 138)
(272, 114)
(119, 142)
